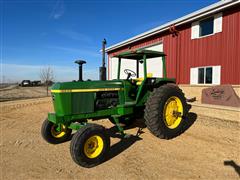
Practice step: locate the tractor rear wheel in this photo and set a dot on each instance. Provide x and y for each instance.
(90, 145)
(165, 111)
(55, 134)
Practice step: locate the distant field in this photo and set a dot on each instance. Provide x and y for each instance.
(15, 92)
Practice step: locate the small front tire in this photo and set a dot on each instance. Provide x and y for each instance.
(90, 145)
(55, 134)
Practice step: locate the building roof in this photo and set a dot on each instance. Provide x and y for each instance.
(138, 54)
(216, 7)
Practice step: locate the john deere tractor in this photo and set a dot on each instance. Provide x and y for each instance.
(158, 100)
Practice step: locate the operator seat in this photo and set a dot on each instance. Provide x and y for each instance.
(140, 80)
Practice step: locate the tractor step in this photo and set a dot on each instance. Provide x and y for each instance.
(117, 123)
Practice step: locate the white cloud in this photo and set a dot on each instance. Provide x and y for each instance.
(17, 72)
(58, 10)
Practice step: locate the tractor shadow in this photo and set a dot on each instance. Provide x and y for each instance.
(234, 165)
(124, 143)
(113, 131)
(189, 121)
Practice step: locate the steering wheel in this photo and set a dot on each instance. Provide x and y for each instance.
(129, 73)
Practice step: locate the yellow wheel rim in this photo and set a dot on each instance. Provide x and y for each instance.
(173, 111)
(58, 134)
(93, 146)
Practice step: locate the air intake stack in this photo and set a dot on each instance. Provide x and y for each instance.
(80, 63)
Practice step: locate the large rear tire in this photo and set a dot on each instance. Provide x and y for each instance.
(165, 111)
(90, 145)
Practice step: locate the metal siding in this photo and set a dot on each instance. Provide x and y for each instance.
(183, 52)
(219, 49)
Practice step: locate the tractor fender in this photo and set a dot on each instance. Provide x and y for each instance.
(163, 82)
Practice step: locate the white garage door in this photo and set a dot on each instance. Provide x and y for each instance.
(125, 64)
(154, 65)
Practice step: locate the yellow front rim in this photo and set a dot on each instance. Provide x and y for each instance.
(173, 112)
(93, 146)
(58, 134)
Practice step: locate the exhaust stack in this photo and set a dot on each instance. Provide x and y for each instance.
(80, 63)
(102, 69)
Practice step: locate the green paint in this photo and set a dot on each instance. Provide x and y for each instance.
(119, 67)
(76, 126)
(116, 119)
(145, 65)
(75, 102)
(164, 67)
(82, 102)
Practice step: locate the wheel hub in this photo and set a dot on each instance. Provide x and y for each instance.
(173, 111)
(93, 146)
(58, 131)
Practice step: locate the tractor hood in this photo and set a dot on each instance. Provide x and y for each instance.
(87, 86)
(81, 96)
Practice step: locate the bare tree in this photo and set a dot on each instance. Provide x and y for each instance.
(47, 76)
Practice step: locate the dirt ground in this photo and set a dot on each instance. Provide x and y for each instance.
(209, 149)
(15, 92)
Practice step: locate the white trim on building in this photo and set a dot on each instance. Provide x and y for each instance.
(215, 77)
(217, 26)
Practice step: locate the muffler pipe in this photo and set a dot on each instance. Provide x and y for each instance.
(102, 69)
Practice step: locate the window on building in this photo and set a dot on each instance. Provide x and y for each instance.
(205, 75)
(206, 26)
(201, 76)
(208, 75)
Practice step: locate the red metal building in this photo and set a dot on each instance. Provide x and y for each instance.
(202, 48)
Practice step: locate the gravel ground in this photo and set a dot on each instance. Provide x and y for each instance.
(209, 149)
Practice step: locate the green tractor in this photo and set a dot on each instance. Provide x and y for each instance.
(158, 100)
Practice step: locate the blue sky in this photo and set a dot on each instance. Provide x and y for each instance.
(36, 34)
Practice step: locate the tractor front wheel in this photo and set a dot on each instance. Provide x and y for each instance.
(54, 133)
(165, 111)
(90, 145)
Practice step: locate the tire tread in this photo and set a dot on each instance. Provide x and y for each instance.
(153, 115)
